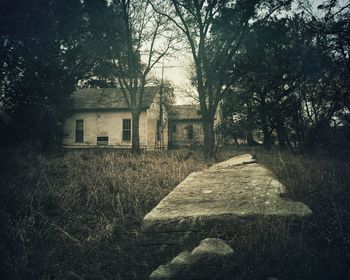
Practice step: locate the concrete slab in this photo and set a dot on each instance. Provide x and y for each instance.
(236, 190)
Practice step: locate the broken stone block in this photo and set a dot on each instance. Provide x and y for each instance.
(212, 247)
(206, 261)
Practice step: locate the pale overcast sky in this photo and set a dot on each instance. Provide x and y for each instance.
(176, 71)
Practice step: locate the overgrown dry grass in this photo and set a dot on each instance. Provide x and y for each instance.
(76, 215)
(321, 181)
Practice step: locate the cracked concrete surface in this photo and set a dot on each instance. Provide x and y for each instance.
(236, 190)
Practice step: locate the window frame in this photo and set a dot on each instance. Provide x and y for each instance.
(190, 132)
(82, 131)
(126, 130)
(102, 140)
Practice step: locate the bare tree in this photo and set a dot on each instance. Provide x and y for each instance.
(147, 39)
(212, 51)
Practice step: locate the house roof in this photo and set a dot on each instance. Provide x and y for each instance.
(107, 98)
(185, 112)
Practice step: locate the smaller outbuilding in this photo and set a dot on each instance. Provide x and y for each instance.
(186, 126)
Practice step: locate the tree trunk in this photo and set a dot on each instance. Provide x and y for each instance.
(250, 139)
(135, 133)
(45, 142)
(281, 135)
(46, 132)
(267, 137)
(209, 136)
(265, 128)
(235, 138)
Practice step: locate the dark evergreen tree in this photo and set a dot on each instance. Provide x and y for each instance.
(47, 47)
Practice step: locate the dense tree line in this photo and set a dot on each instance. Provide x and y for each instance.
(47, 47)
(292, 80)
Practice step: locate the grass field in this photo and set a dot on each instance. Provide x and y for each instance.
(77, 214)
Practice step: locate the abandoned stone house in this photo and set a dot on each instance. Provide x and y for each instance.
(101, 118)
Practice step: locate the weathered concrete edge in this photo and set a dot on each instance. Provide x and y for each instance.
(225, 221)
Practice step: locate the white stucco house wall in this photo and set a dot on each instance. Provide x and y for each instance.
(101, 118)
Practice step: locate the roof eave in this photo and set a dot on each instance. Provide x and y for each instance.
(104, 109)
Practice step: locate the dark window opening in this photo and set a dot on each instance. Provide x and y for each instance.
(126, 129)
(190, 132)
(102, 140)
(79, 131)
